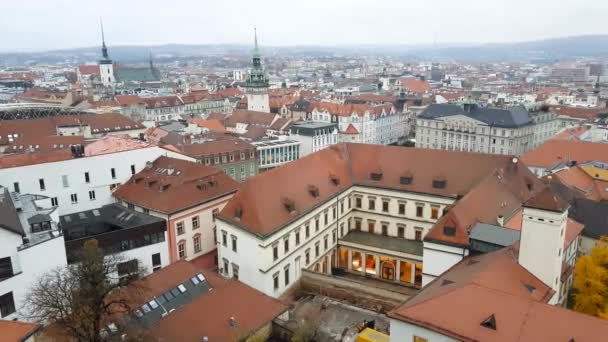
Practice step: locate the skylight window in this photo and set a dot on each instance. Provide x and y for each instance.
(146, 308)
(168, 296)
(181, 288)
(153, 304)
(139, 314)
(195, 280)
(200, 277)
(175, 292)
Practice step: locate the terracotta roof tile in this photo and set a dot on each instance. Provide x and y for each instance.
(211, 124)
(350, 130)
(171, 185)
(14, 331)
(546, 199)
(88, 69)
(562, 151)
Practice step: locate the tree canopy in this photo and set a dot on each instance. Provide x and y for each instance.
(591, 281)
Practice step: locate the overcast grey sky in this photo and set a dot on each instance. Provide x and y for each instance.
(53, 24)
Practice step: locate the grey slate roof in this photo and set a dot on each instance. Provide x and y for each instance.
(494, 234)
(384, 242)
(9, 218)
(126, 74)
(513, 117)
(594, 215)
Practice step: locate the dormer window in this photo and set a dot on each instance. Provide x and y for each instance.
(289, 204)
(489, 322)
(313, 190)
(334, 179)
(439, 183)
(238, 213)
(449, 231)
(406, 178)
(376, 175)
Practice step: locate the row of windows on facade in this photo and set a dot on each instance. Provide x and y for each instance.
(65, 180)
(371, 205)
(226, 157)
(196, 239)
(231, 171)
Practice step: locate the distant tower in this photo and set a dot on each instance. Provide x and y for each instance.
(596, 91)
(106, 67)
(541, 243)
(257, 83)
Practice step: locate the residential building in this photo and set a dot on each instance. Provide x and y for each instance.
(175, 295)
(276, 152)
(363, 123)
(313, 136)
(138, 239)
(30, 244)
(82, 178)
(187, 196)
(246, 123)
(163, 108)
(471, 128)
(237, 158)
(510, 304)
(556, 154)
(368, 210)
(257, 83)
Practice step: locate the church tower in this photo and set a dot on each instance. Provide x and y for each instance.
(106, 67)
(257, 83)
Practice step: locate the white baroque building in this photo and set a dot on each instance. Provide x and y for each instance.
(471, 128)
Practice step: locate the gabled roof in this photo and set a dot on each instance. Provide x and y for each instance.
(562, 151)
(460, 302)
(14, 331)
(251, 118)
(9, 218)
(474, 176)
(546, 199)
(350, 130)
(171, 185)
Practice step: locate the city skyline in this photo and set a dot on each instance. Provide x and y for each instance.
(393, 23)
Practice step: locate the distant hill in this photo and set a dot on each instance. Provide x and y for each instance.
(548, 50)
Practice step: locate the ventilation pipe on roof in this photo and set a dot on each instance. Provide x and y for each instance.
(232, 322)
(501, 220)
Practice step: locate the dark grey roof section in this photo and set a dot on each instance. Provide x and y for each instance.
(513, 117)
(181, 294)
(39, 218)
(311, 128)
(594, 215)
(384, 242)
(495, 235)
(109, 218)
(9, 218)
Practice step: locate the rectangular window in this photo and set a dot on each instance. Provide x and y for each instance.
(113, 173)
(7, 304)
(54, 201)
(214, 214)
(307, 256)
(385, 229)
(156, 262)
(358, 202)
(317, 224)
(401, 232)
(126, 268)
(298, 238)
(286, 245)
(225, 262)
(132, 169)
(372, 204)
(325, 242)
(275, 252)
(385, 206)
(325, 219)
(419, 210)
(286, 271)
(74, 198)
(307, 231)
(195, 222)
(233, 243)
(224, 238)
(87, 178)
(197, 243)
(317, 245)
(41, 183)
(64, 181)
(333, 236)
(16, 187)
(92, 195)
(370, 226)
(275, 281)
(180, 228)
(181, 250)
(6, 268)
(131, 206)
(235, 271)
(434, 212)
(358, 224)
(418, 236)
(419, 339)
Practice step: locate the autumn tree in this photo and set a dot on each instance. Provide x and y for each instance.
(591, 281)
(79, 301)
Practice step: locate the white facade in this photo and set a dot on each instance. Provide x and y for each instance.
(541, 246)
(29, 261)
(438, 258)
(462, 133)
(274, 153)
(80, 184)
(403, 331)
(383, 128)
(258, 101)
(106, 73)
(316, 141)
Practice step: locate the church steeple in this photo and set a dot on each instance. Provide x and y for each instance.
(257, 76)
(104, 48)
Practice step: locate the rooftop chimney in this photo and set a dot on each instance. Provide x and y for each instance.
(232, 322)
(501, 220)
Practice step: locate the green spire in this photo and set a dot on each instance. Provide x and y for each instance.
(256, 49)
(104, 48)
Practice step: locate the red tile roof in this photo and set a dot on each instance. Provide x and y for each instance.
(414, 85)
(209, 313)
(172, 185)
(251, 118)
(216, 147)
(162, 101)
(350, 130)
(14, 331)
(88, 69)
(211, 124)
(576, 112)
(571, 133)
(499, 287)
(474, 176)
(350, 109)
(128, 100)
(546, 199)
(562, 151)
